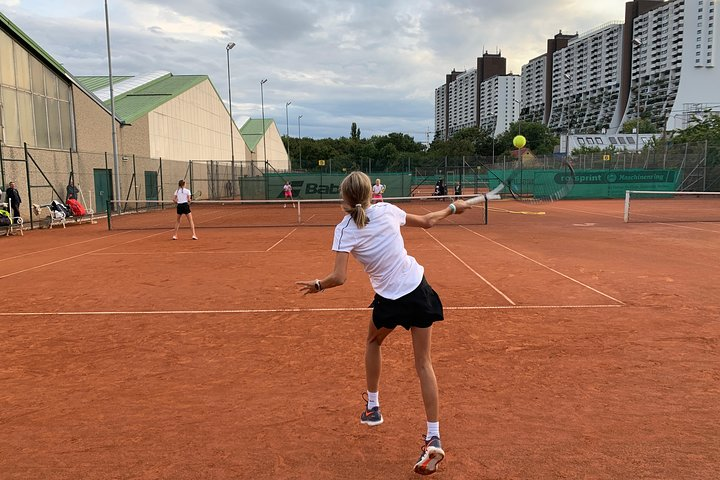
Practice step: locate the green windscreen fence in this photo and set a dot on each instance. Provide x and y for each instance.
(593, 183)
(319, 186)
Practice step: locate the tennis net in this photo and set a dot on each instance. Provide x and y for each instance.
(154, 214)
(651, 206)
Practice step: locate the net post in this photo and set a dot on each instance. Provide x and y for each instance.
(108, 211)
(486, 209)
(299, 217)
(626, 215)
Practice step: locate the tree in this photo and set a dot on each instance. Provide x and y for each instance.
(354, 132)
(646, 126)
(539, 139)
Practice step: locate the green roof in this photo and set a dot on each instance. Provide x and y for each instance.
(142, 100)
(253, 131)
(94, 83)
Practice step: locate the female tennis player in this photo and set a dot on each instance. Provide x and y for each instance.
(377, 190)
(182, 198)
(287, 191)
(371, 233)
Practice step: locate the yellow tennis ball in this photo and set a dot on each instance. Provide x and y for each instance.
(519, 141)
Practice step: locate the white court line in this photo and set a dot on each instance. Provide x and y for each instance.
(61, 246)
(283, 310)
(545, 266)
(78, 256)
(187, 252)
(279, 241)
(586, 211)
(470, 268)
(687, 227)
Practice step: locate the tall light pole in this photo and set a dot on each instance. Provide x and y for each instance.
(229, 47)
(116, 163)
(567, 77)
(262, 107)
(638, 43)
(287, 133)
(299, 143)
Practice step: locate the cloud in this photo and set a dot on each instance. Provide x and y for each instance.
(374, 62)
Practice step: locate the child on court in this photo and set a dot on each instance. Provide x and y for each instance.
(377, 190)
(371, 233)
(287, 191)
(182, 198)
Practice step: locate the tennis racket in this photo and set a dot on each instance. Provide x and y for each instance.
(529, 181)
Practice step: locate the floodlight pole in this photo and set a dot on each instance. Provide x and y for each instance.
(229, 47)
(638, 43)
(262, 107)
(299, 143)
(287, 134)
(116, 163)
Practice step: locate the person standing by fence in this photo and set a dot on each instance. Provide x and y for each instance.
(13, 197)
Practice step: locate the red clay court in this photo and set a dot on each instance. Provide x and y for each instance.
(574, 346)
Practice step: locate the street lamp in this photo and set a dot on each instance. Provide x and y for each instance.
(299, 143)
(229, 47)
(287, 133)
(262, 107)
(637, 43)
(567, 77)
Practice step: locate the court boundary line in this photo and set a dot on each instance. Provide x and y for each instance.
(683, 226)
(36, 267)
(280, 241)
(63, 246)
(291, 310)
(545, 266)
(470, 268)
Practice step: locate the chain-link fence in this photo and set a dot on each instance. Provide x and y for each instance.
(44, 175)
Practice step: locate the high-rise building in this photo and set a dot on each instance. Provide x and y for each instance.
(586, 81)
(499, 103)
(532, 96)
(674, 74)
(480, 97)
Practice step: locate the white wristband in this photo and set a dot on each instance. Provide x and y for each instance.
(452, 207)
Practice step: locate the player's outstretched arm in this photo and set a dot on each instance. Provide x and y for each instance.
(335, 279)
(430, 219)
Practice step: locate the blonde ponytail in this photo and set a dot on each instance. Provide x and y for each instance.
(356, 191)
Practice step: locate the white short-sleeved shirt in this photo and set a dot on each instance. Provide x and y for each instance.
(380, 249)
(287, 188)
(377, 189)
(183, 194)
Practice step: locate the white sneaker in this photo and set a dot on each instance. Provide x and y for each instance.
(194, 237)
(174, 237)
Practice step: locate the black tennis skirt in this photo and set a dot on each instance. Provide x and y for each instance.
(419, 308)
(183, 208)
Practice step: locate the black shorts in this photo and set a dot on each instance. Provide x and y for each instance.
(419, 308)
(183, 208)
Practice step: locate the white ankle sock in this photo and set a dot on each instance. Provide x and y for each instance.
(373, 400)
(433, 430)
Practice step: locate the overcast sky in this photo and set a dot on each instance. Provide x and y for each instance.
(376, 63)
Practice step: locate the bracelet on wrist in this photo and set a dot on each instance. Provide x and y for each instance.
(318, 287)
(452, 208)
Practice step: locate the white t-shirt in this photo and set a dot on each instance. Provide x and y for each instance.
(287, 188)
(182, 194)
(380, 249)
(378, 189)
